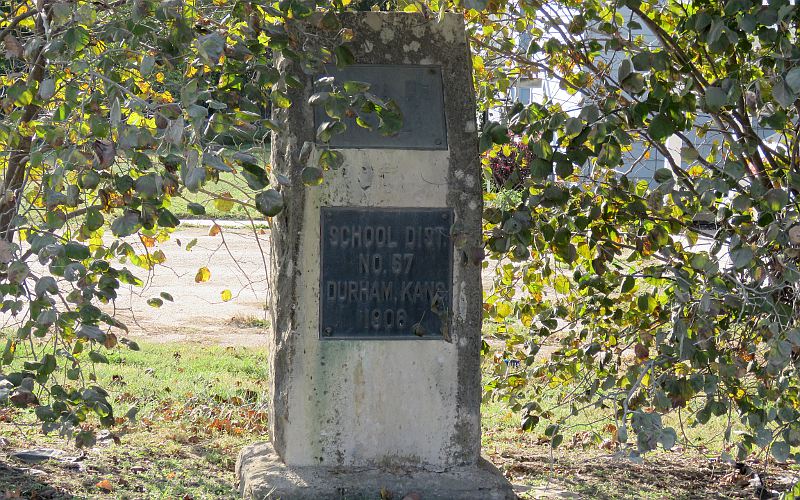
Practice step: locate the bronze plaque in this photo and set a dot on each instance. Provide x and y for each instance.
(386, 273)
(417, 90)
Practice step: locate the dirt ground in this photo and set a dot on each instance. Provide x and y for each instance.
(237, 259)
(235, 254)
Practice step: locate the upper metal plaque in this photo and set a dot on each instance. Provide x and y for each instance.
(417, 90)
(385, 273)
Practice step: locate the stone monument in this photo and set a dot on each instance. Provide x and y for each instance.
(375, 283)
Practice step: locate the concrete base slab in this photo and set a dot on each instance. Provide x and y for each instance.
(262, 474)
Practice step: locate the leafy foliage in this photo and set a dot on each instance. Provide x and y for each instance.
(510, 164)
(108, 113)
(647, 299)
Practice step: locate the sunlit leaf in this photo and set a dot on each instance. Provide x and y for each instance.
(203, 275)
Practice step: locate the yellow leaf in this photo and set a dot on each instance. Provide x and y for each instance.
(148, 241)
(203, 275)
(224, 203)
(503, 309)
(696, 171)
(215, 230)
(226, 295)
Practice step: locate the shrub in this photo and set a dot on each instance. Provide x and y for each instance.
(510, 163)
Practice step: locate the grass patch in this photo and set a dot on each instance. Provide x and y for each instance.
(198, 407)
(249, 321)
(229, 183)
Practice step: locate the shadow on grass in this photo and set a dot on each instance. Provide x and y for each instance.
(28, 482)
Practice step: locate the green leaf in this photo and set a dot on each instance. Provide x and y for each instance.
(46, 284)
(641, 61)
(328, 129)
(269, 202)
(319, 98)
(210, 47)
(783, 94)
(280, 99)
(76, 38)
(224, 202)
(776, 199)
(62, 112)
(47, 88)
(715, 98)
(155, 302)
(646, 303)
(25, 98)
(742, 257)
(312, 176)
(18, 272)
(196, 208)
(573, 126)
(662, 175)
(668, 438)
(255, 176)
(354, 87)
(94, 219)
(634, 84)
(330, 21)
(126, 225)
(660, 127)
(214, 161)
(344, 56)
(610, 154)
(96, 357)
(167, 218)
(625, 69)
(541, 169)
(792, 80)
(628, 284)
(780, 450)
(149, 186)
(76, 251)
(391, 119)
(330, 159)
(146, 66)
(193, 176)
(562, 285)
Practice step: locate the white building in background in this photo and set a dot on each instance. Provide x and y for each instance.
(642, 160)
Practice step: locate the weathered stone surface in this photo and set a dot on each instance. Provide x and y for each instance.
(262, 474)
(404, 403)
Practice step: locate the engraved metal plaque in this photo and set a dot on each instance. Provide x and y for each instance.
(417, 90)
(386, 273)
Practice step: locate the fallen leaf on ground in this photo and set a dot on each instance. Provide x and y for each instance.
(105, 485)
